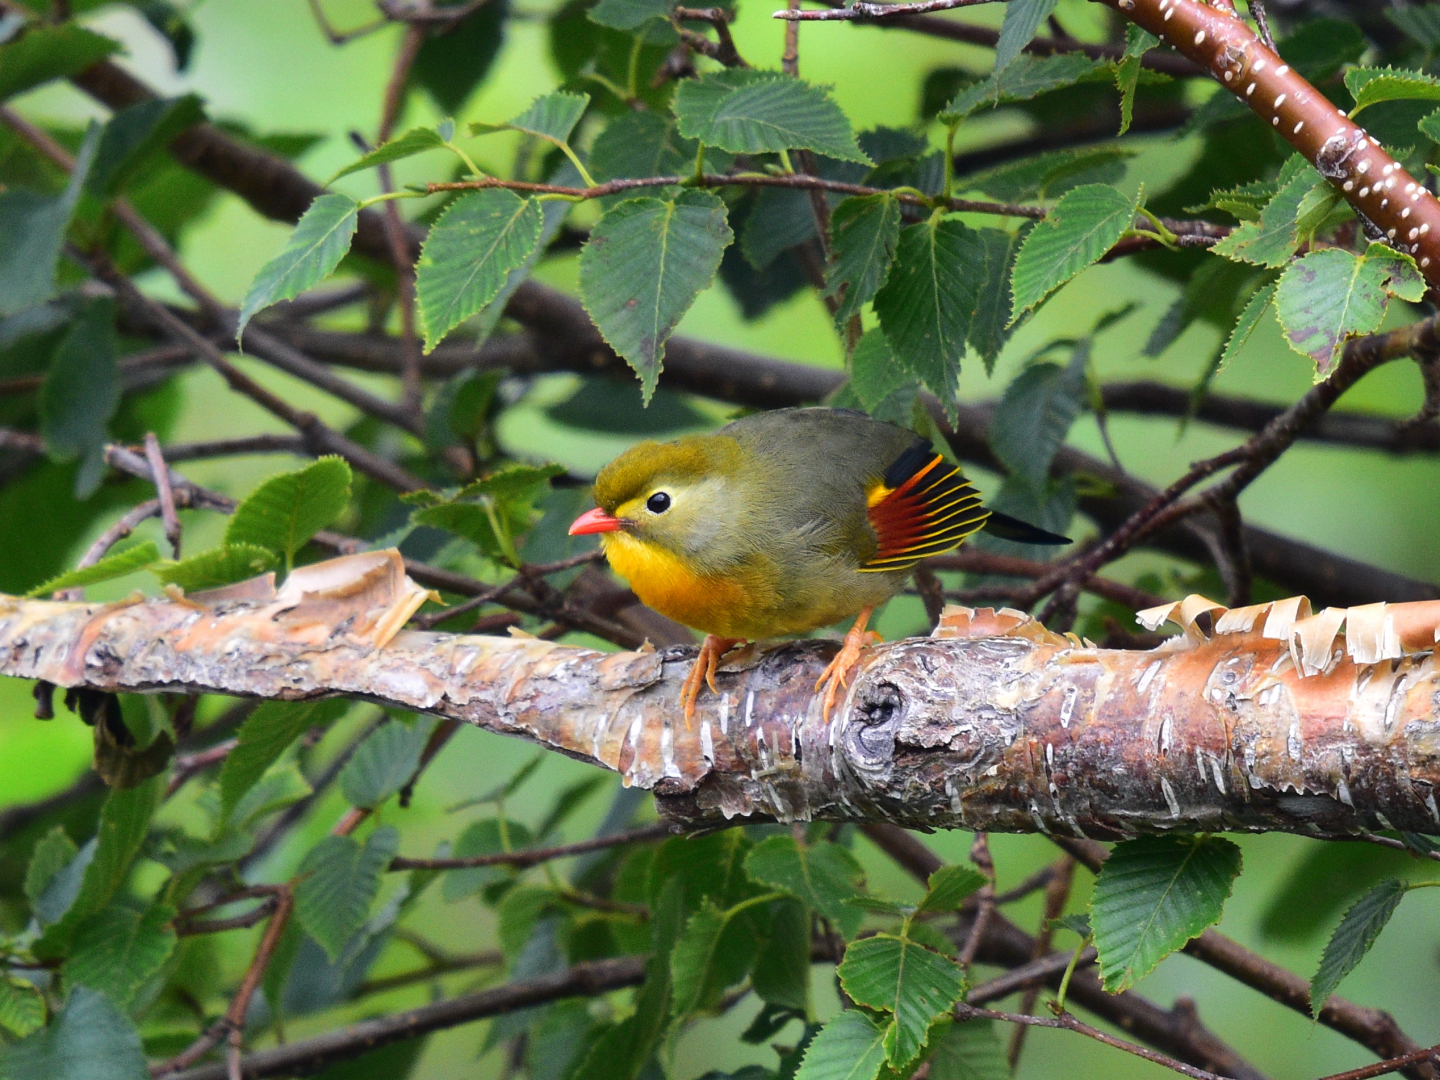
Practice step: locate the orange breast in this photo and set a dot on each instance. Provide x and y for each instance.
(716, 605)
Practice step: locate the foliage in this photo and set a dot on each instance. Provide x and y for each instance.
(583, 274)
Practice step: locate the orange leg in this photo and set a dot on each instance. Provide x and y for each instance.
(836, 676)
(711, 651)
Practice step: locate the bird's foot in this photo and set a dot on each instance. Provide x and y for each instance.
(837, 675)
(703, 672)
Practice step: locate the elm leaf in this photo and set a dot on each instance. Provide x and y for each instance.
(552, 117)
(284, 512)
(751, 112)
(469, 254)
(1332, 295)
(1152, 896)
(116, 564)
(928, 302)
(321, 238)
(864, 231)
(645, 263)
(1353, 938)
(906, 979)
(120, 948)
(340, 879)
(849, 1047)
(90, 1039)
(1078, 230)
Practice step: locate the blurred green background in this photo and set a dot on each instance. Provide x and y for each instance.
(265, 62)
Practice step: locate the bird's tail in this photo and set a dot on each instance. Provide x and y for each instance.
(1022, 532)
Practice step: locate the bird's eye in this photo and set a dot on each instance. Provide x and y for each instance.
(658, 503)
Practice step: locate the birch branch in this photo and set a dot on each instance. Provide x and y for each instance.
(1264, 718)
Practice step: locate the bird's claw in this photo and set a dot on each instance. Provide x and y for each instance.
(702, 673)
(836, 675)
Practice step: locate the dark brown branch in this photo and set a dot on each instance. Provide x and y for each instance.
(308, 1056)
(163, 491)
(1066, 1022)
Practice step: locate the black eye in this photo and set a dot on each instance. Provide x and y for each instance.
(658, 503)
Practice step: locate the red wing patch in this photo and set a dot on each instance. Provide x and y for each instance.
(924, 507)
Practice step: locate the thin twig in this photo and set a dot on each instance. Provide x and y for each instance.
(1066, 1022)
(162, 489)
(1262, 21)
(395, 228)
(1057, 893)
(1395, 1064)
(863, 11)
(533, 857)
(985, 900)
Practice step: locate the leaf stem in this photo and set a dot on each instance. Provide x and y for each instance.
(1069, 971)
(390, 196)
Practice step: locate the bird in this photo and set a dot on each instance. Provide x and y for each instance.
(780, 523)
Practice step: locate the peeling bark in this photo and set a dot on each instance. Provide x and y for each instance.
(994, 723)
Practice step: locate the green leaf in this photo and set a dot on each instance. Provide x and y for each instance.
(875, 374)
(906, 979)
(415, 141)
(339, 882)
(32, 230)
(781, 976)
(989, 329)
(1078, 924)
(1138, 41)
(1370, 86)
(120, 948)
(1035, 415)
(1081, 228)
(641, 144)
(219, 566)
(488, 836)
(263, 737)
(385, 762)
(1430, 127)
(714, 952)
(89, 1040)
(468, 256)
(949, 886)
(1050, 175)
(1331, 295)
(1022, 19)
(629, 14)
(1152, 896)
(849, 1047)
(1271, 240)
(645, 263)
(52, 854)
(320, 240)
(1024, 78)
(751, 112)
(1249, 319)
(824, 876)
(283, 513)
(124, 821)
(552, 117)
(135, 134)
(1421, 23)
(778, 220)
(1353, 938)
(451, 64)
(115, 565)
(274, 791)
(864, 231)
(82, 387)
(969, 1051)
(520, 910)
(707, 866)
(43, 53)
(22, 1006)
(928, 303)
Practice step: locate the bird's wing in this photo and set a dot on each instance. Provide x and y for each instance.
(922, 507)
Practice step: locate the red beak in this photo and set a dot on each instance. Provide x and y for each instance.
(595, 521)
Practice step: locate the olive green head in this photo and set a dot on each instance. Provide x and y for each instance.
(678, 495)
